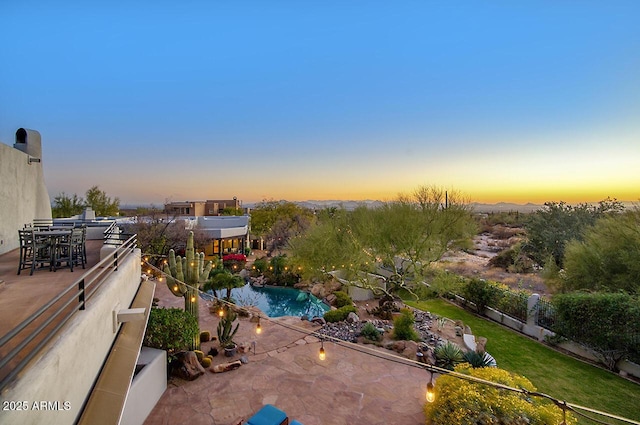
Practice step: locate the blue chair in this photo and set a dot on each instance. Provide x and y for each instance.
(269, 415)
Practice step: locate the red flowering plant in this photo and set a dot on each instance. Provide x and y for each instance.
(234, 262)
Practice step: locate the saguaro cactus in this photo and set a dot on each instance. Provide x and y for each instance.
(185, 276)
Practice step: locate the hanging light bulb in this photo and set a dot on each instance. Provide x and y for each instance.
(175, 288)
(221, 312)
(431, 395)
(321, 354)
(193, 298)
(258, 327)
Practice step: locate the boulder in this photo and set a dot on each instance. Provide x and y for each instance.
(410, 350)
(481, 343)
(353, 318)
(319, 320)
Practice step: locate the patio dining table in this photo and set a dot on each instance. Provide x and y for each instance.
(55, 235)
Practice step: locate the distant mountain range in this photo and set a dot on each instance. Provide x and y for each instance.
(351, 205)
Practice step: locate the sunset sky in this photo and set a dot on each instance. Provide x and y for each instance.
(515, 101)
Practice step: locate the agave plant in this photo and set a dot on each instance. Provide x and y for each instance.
(448, 355)
(478, 359)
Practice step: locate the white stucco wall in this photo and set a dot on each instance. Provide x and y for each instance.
(23, 194)
(73, 360)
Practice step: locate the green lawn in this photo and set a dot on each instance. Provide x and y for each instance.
(553, 373)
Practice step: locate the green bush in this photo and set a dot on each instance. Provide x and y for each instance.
(342, 299)
(462, 402)
(444, 284)
(340, 314)
(259, 266)
(482, 293)
(607, 323)
(403, 326)
(370, 332)
(170, 329)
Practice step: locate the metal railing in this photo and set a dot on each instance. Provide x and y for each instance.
(27, 339)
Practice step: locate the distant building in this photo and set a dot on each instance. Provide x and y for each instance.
(210, 207)
(228, 234)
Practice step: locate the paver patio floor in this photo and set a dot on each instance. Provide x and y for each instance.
(348, 387)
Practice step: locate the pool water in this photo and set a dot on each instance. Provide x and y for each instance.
(277, 302)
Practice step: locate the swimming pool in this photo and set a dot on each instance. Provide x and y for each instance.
(277, 302)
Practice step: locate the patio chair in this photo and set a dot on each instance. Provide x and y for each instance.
(35, 250)
(66, 251)
(269, 415)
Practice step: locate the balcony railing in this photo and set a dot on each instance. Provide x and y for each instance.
(27, 339)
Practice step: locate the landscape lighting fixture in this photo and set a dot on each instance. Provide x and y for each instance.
(431, 395)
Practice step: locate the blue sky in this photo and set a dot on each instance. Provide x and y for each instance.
(153, 101)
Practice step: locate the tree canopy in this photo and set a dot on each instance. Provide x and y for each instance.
(278, 221)
(69, 205)
(102, 204)
(405, 236)
(66, 206)
(550, 228)
(607, 258)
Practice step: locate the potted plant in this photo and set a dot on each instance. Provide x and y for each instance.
(226, 332)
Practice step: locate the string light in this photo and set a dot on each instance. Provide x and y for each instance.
(321, 354)
(258, 327)
(193, 298)
(221, 312)
(175, 288)
(431, 395)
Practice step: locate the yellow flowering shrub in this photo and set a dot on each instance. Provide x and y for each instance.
(461, 402)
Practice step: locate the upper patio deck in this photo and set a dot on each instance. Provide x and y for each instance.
(21, 296)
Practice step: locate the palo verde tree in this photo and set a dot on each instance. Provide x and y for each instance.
(405, 236)
(607, 258)
(66, 206)
(102, 204)
(185, 277)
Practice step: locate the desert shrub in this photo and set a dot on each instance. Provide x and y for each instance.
(445, 284)
(260, 265)
(403, 326)
(370, 332)
(280, 271)
(170, 329)
(513, 260)
(482, 293)
(461, 402)
(607, 323)
(340, 314)
(342, 299)
(448, 355)
(608, 258)
(550, 228)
